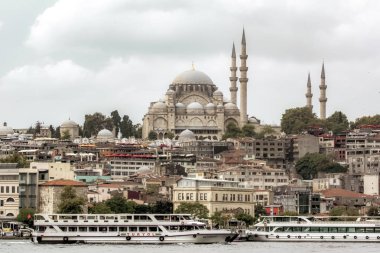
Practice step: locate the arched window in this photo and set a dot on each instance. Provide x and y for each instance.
(10, 214)
(10, 200)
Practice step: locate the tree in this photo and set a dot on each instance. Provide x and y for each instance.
(57, 133)
(196, 209)
(169, 135)
(297, 120)
(152, 136)
(309, 165)
(66, 135)
(116, 120)
(366, 120)
(232, 131)
(119, 204)
(52, 131)
(220, 219)
(373, 211)
(70, 202)
(99, 208)
(96, 122)
(344, 211)
(259, 211)
(246, 218)
(16, 158)
(26, 216)
(143, 209)
(337, 122)
(138, 131)
(163, 207)
(266, 130)
(126, 127)
(248, 130)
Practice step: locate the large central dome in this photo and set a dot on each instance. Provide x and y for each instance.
(192, 77)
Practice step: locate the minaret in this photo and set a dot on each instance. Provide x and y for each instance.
(322, 98)
(309, 95)
(233, 78)
(243, 82)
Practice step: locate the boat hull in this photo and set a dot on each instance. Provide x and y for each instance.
(338, 237)
(190, 238)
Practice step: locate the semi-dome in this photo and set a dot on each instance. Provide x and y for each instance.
(186, 135)
(192, 77)
(170, 92)
(218, 93)
(195, 105)
(159, 105)
(69, 123)
(210, 106)
(180, 106)
(5, 130)
(230, 106)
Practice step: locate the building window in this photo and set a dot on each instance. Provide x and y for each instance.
(205, 196)
(7, 189)
(216, 196)
(200, 196)
(179, 196)
(10, 200)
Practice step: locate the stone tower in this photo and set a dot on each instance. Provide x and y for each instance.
(322, 98)
(309, 95)
(233, 78)
(243, 82)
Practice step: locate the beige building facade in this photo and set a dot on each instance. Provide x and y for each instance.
(9, 191)
(216, 195)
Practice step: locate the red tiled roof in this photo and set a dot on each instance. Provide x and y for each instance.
(343, 193)
(62, 182)
(110, 185)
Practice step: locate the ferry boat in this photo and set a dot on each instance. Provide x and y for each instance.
(125, 229)
(319, 229)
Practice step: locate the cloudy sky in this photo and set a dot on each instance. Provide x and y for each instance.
(63, 59)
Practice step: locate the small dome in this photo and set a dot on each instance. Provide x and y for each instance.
(105, 134)
(210, 106)
(159, 105)
(230, 106)
(5, 130)
(180, 106)
(186, 135)
(195, 105)
(220, 107)
(69, 123)
(218, 93)
(192, 77)
(170, 92)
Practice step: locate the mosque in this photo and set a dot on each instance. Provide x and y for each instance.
(194, 103)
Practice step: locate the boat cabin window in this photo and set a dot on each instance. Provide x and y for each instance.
(73, 229)
(126, 217)
(41, 228)
(39, 217)
(377, 230)
(132, 229)
(112, 229)
(186, 217)
(92, 229)
(123, 229)
(142, 218)
(64, 229)
(152, 229)
(143, 229)
(103, 229)
(82, 229)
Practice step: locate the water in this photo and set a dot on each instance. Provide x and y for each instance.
(10, 246)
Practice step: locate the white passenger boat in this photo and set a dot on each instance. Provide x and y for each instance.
(125, 228)
(302, 228)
